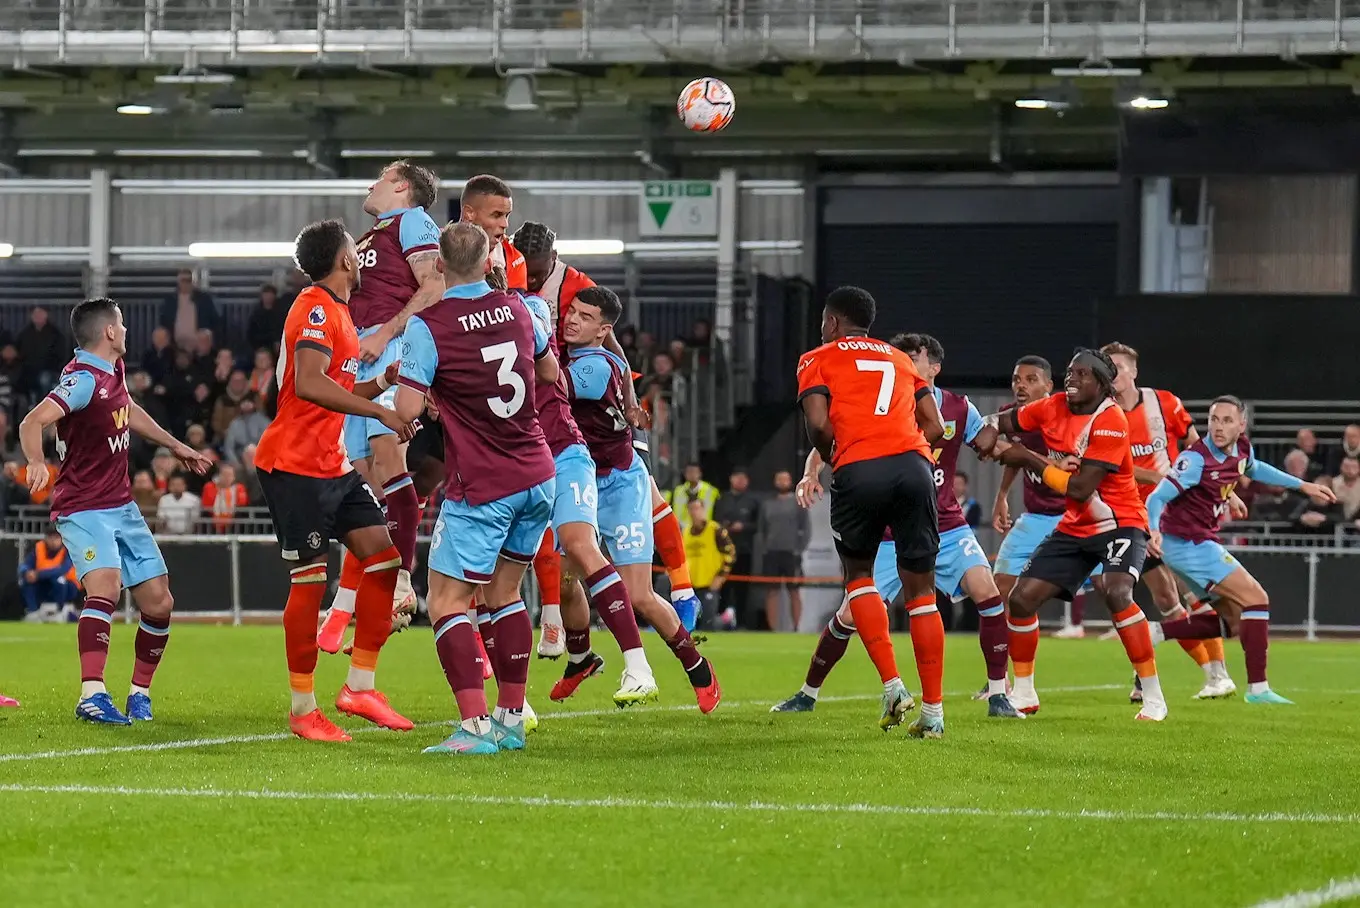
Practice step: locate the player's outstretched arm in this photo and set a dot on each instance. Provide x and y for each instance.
(410, 403)
(141, 422)
(928, 418)
(1273, 476)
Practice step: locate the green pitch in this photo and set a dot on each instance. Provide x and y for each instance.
(1222, 805)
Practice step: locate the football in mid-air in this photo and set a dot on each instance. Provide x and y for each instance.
(706, 105)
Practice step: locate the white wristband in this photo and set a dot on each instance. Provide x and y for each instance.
(383, 383)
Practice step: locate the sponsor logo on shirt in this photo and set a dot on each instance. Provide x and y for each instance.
(1109, 433)
(351, 366)
(1158, 444)
(313, 334)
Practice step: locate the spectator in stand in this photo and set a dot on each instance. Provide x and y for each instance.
(245, 431)
(738, 510)
(43, 350)
(972, 511)
(627, 337)
(249, 477)
(163, 466)
(178, 391)
(265, 328)
(709, 553)
(198, 411)
(223, 497)
(145, 494)
(1307, 442)
(1349, 447)
(227, 406)
(7, 389)
(1292, 506)
(7, 448)
(187, 311)
(46, 575)
(178, 510)
(693, 489)
(680, 356)
(262, 375)
(159, 358)
(224, 363)
(708, 348)
(296, 283)
(12, 371)
(646, 349)
(1346, 485)
(203, 362)
(781, 539)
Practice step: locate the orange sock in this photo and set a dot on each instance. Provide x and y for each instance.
(548, 572)
(670, 542)
(351, 571)
(1214, 649)
(1133, 633)
(305, 592)
(871, 621)
(927, 640)
(373, 607)
(1196, 650)
(1024, 644)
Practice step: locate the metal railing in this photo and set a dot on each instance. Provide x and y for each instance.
(545, 31)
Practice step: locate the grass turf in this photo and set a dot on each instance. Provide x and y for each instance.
(1223, 804)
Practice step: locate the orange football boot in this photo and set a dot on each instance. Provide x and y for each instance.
(333, 630)
(373, 706)
(316, 727)
(709, 697)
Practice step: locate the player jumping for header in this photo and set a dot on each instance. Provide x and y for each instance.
(93, 508)
(1184, 513)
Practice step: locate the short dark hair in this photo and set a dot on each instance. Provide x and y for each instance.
(910, 343)
(424, 184)
(269, 288)
(610, 306)
(1037, 362)
(533, 238)
(485, 184)
(318, 246)
(1229, 399)
(959, 474)
(89, 318)
(855, 304)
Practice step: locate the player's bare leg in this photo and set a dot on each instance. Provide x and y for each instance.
(661, 615)
(155, 604)
(1244, 609)
(103, 586)
(614, 604)
(993, 638)
(1134, 632)
(670, 543)
(452, 615)
(341, 612)
(379, 561)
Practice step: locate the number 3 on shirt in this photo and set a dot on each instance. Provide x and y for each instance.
(885, 386)
(504, 355)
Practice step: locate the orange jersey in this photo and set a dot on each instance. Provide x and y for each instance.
(305, 438)
(1101, 437)
(873, 388)
(1157, 425)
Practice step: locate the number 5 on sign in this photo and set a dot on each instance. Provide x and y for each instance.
(886, 383)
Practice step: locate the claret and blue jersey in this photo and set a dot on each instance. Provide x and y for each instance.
(595, 379)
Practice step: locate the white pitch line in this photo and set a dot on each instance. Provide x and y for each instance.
(283, 736)
(1121, 816)
(1334, 891)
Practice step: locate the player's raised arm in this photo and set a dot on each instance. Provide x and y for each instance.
(978, 434)
(1273, 476)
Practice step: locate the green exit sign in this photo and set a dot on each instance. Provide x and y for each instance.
(678, 208)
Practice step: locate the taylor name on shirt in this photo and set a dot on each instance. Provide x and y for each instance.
(486, 317)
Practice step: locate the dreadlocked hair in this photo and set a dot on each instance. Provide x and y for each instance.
(533, 238)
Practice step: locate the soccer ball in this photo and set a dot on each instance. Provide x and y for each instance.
(706, 105)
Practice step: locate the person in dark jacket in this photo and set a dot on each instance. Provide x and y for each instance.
(187, 310)
(265, 328)
(43, 350)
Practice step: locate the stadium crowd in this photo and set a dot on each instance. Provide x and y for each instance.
(211, 387)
